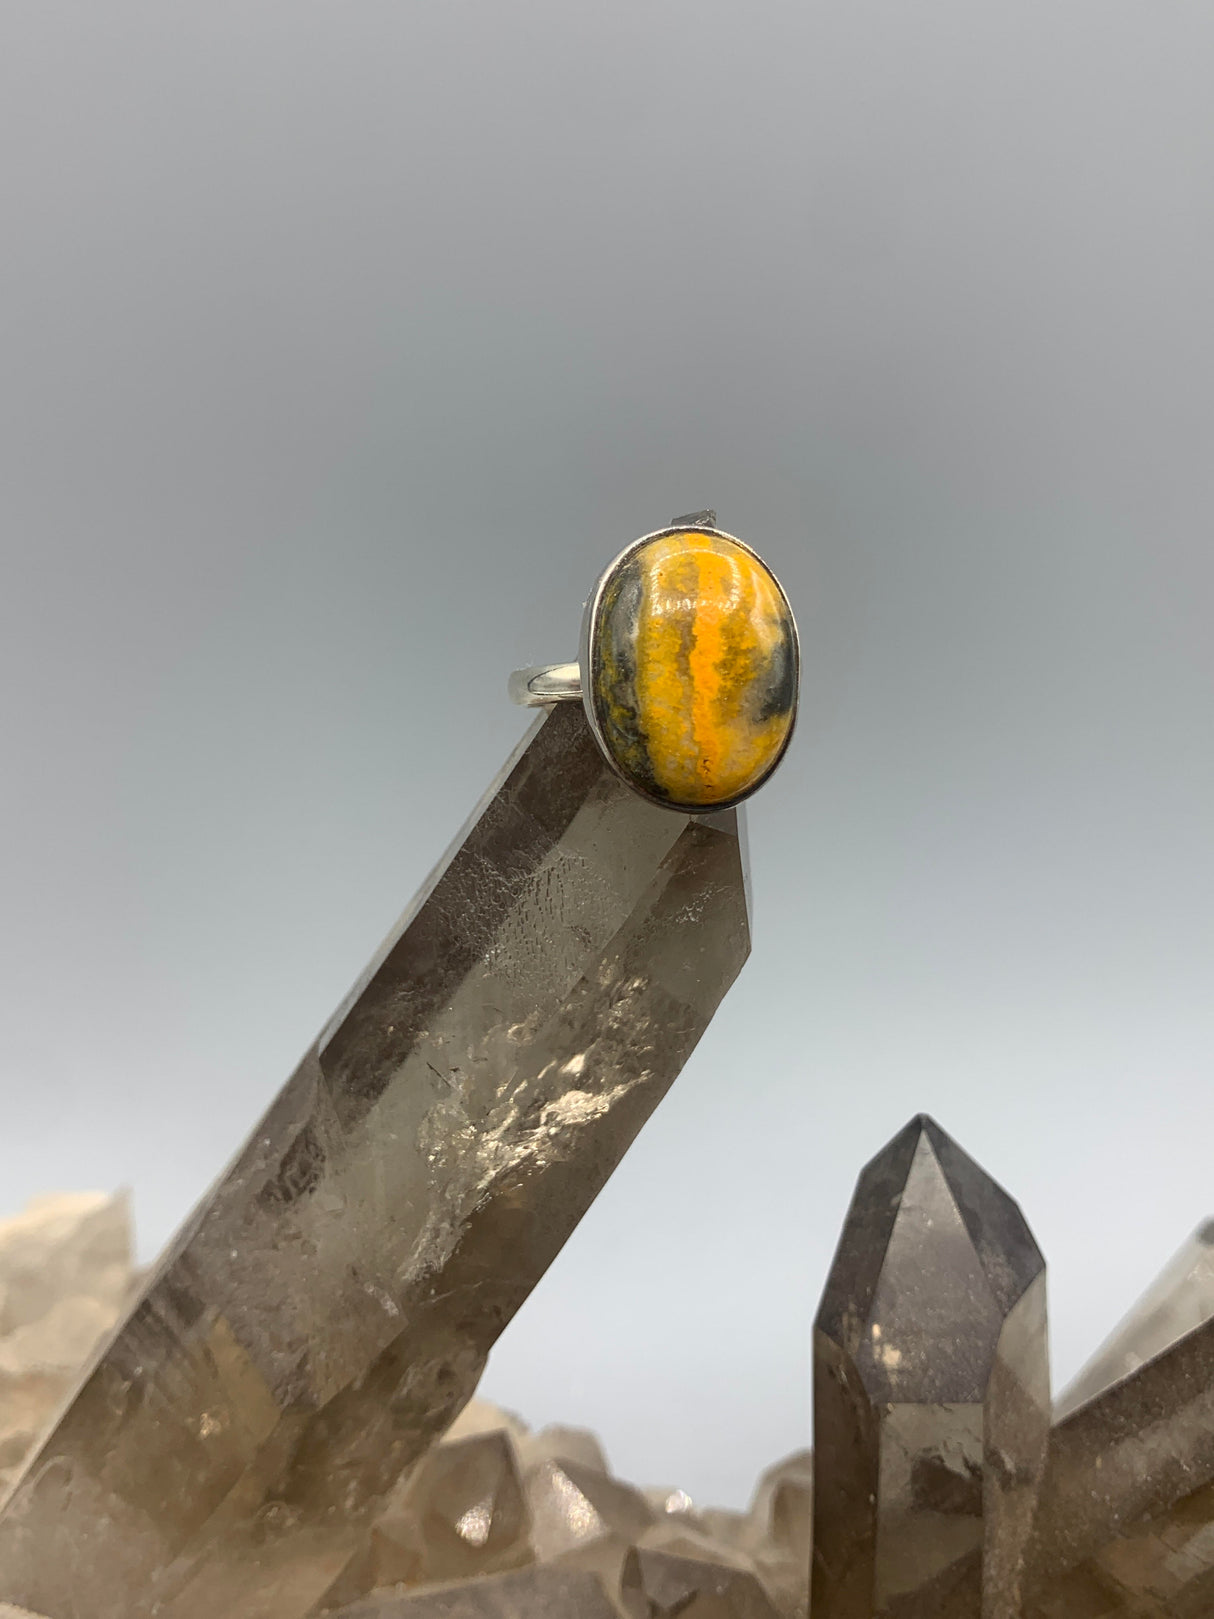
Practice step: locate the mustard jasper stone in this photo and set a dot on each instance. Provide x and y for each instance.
(692, 655)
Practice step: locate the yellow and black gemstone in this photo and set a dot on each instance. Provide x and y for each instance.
(692, 668)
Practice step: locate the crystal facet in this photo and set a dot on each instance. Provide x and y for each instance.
(461, 1513)
(65, 1274)
(1127, 1504)
(931, 1392)
(572, 1504)
(1178, 1301)
(700, 1589)
(329, 1308)
(542, 1592)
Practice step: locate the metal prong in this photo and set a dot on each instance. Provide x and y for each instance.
(704, 519)
(546, 683)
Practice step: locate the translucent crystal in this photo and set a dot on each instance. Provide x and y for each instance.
(700, 1589)
(1179, 1300)
(1127, 1504)
(1161, 1567)
(778, 1530)
(65, 1273)
(669, 1502)
(613, 1558)
(328, 1309)
(534, 1593)
(480, 1417)
(931, 1392)
(460, 1514)
(562, 1445)
(572, 1504)
(781, 1513)
(731, 1540)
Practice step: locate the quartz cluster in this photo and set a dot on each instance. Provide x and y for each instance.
(940, 1486)
(65, 1275)
(279, 1426)
(496, 1522)
(499, 1521)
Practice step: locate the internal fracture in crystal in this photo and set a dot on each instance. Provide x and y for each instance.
(328, 1309)
(931, 1383)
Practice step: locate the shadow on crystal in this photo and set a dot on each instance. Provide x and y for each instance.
(931, 1393)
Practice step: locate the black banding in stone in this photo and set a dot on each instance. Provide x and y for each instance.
(780, 685)
(614, 669)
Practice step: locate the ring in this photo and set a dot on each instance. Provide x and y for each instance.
(689, 667)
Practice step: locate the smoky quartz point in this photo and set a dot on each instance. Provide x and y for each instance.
(1180, 1300)
(1126, 1524)
(692, 1586)
(329, 1307)
(931, 1393)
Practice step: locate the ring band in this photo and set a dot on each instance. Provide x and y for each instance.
(689, 667)
(546, 683)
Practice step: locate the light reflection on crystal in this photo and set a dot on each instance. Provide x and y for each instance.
(496, 1522)
(474, 1524)
(330, 1307)
(1180, 1300)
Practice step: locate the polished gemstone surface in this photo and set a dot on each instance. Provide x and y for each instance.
(692, 668)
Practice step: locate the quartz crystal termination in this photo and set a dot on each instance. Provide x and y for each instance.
(931, 1393)
(1126, 1523)
(1179, 1300)
(328, 1309)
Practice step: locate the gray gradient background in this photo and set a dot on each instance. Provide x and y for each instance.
(343, 343)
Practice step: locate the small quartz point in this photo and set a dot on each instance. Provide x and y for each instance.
(1178, 1301)
(1127, 1506)
(328, 1309)
(540, 1592)
(572, 1504)
(778, 1530)
(931, 1393)
(695, 1588)
(65, 1276)
(482, 1416)
(614, 1560)
(461, 1513)
(562, 1444)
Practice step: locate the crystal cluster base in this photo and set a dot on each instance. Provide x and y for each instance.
(275, 1423)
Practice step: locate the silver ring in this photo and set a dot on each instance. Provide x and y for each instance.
(689, 667)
